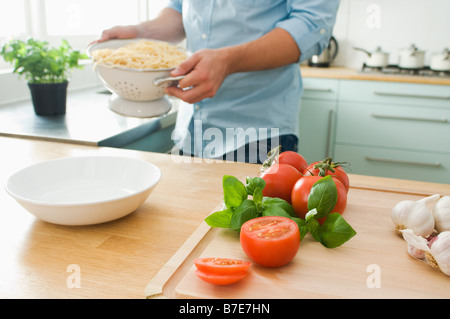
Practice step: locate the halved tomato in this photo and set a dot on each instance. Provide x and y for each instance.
(271, 241)
(221, 280)
(221, 266)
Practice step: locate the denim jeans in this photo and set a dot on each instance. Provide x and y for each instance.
(257, 152)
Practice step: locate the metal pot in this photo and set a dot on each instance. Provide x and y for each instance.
(440, 61)
(376, 59)
(327, 56)
(411, 58)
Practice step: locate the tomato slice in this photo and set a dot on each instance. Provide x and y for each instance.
(221, 280)
(271, 241)
(221, 266)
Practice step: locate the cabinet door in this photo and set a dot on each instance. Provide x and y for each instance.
(316, 129)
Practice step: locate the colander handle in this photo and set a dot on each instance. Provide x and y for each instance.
(160, 81)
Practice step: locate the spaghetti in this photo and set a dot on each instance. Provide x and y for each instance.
(144, 54)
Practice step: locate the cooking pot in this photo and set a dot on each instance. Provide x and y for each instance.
(411, 58)
(376, 59)
(325, 58)
(440, 61)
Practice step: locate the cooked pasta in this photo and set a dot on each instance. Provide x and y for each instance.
(144, 54)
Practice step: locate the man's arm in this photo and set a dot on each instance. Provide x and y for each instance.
(206, 69)
(167, 26)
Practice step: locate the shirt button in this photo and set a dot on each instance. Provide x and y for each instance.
(197, 107)
(322, 31)
(204, 36)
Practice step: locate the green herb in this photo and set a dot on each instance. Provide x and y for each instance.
(39, 62)
(245, 202)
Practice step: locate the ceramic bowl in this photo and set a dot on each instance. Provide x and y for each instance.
(84, 190)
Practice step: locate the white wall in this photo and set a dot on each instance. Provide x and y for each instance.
(393, 25)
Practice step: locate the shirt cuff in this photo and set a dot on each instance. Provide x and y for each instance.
(175, 4)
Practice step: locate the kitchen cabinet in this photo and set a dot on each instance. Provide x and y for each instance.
(317, 116)
(398, 130)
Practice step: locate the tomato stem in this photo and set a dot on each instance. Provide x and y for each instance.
(328, 165)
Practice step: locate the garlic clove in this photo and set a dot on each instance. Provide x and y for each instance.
(441, 214)
(415, 240)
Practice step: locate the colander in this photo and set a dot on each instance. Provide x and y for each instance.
(132, 84)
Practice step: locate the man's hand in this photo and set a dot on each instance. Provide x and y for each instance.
(205, 71)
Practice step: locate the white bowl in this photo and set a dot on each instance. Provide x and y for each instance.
(84, 190)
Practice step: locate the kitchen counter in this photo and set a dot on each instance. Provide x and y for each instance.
(119, 258)
(336, 72)
(88, 120)
(116, 259)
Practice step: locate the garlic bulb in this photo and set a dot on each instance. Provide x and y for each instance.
(441, 214)
(415, 215)
(437, 251)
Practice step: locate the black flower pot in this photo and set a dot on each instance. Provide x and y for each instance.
(49, 98)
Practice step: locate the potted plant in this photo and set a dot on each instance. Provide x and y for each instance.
(46, 69)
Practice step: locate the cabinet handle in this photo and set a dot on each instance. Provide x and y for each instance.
(387, 160)
(318, 89)
(409, 118)
(330, 127)
(422, 96)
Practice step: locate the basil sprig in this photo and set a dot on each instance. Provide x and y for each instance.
(245, 202)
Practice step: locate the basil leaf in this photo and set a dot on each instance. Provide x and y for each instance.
(275, 211)
(335, 231)
(220, 219)
(234, 191)
(323, 196)
(279, 203)
(254, 183)
(243, 213)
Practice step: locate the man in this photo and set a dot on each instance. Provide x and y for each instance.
(242, 84)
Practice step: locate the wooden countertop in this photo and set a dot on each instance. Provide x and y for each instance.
(336, 72)
(118, 259)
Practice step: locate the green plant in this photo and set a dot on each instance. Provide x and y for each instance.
(39, 62)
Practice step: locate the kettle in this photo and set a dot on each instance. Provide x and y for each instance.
(325, 58)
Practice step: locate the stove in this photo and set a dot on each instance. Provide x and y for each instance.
(396, 70)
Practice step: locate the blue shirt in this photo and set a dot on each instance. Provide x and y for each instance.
(249, 106)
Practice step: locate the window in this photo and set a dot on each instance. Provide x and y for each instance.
(78, 21)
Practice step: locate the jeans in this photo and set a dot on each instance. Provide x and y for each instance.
(257, 152)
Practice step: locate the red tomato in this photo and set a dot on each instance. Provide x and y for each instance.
(301, 191)
(339, 173)
(220, 279)
(271, 241)
(221, 266)
(280, 179)
(293, 159)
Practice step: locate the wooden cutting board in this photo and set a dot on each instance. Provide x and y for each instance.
(373, 264)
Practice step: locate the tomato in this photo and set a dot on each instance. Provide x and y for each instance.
(294, 159)
(301, 191)
(221, 271)
(221, 280)
(221, 266)
(271, 241)
(339, 172)
(280, 179)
